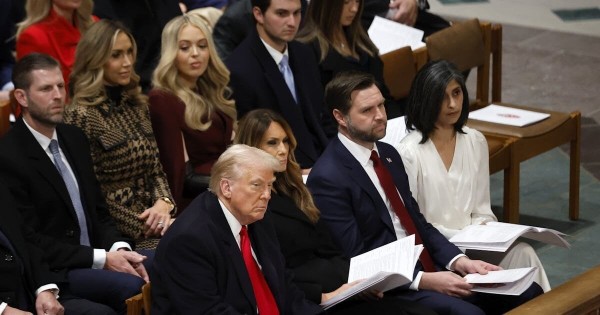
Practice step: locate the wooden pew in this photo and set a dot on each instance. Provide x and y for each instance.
(580, 295)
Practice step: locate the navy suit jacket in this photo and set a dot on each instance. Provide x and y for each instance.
(256, 82)
(199, 269)
(354, 211)
(44, 199)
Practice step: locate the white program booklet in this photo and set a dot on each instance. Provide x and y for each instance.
(506, 282)
(395, 131)
(389, 35)
(381, 269)
(507, 115)
(499, 236)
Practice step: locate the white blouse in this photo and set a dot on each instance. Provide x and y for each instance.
(450, 199)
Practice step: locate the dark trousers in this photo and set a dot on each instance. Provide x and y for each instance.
(104, 287)
(477, 304)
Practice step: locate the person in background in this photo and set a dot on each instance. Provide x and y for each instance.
(332, 28)
(320, 269)
(192, 117)
(448, 166)
(54, 27)
(271, 70)
(235, 23)
(108, 105)
(146, 20)
(222, 255)
(413, 13)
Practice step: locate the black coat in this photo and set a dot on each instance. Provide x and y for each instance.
(257, 83)
(317, 263)
(44, 200)
(24, 270)
(199, 269)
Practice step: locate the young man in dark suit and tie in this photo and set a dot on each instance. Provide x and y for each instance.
(271, 70)
(27, 284)
(48, 168)
(221, 256)
(360, 185)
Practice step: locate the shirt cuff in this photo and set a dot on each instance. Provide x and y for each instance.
(415, 284)
(50, 286)
(2, 307)
(118, 245)
(449, 265)
(99, 258)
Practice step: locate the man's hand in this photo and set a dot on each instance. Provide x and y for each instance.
(46, 304)
(157, 219)
(445, 282)
(128, 262)
(404, 11)
(465, 266)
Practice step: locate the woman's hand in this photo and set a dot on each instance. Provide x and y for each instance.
(157, 219)
(328, 296)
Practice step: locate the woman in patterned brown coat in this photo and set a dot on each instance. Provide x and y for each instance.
(108, 105)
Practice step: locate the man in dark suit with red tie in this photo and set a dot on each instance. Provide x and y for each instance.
(363, 192)
(221, 256)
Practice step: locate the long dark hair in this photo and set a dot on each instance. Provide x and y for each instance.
(427, 94)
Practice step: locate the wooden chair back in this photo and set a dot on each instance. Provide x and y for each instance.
(399, 70)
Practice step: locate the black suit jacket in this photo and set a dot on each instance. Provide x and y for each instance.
(23, 270)
(257, 83)
(354, 211)
(44, 200)
(318, 265)
(199, 269)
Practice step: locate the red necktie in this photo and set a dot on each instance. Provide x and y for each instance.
(390, 191)
(264, 298)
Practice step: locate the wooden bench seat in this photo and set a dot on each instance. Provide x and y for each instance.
(580, 295)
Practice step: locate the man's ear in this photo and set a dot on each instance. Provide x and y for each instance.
(225, 186)
(21, 97)
(339, 117)
(258, 15)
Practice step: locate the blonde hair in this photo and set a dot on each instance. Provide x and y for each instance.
(38, 10)
(251, 130)
(93, 52)
(212, 84)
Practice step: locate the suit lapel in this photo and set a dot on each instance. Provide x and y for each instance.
(291, 111)
(40, 162)
(357, 172)
(222, 231)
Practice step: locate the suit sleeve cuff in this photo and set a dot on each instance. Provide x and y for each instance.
(2, 307)
(415, 284)
(47, 287)
(99, 258)
(449, 265)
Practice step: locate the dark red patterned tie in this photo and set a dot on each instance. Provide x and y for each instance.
(390, 191)
(264, 298)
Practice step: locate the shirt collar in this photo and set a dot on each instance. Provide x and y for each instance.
(360, 153)
(41, 139)
(234, 224)
(275, 54)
